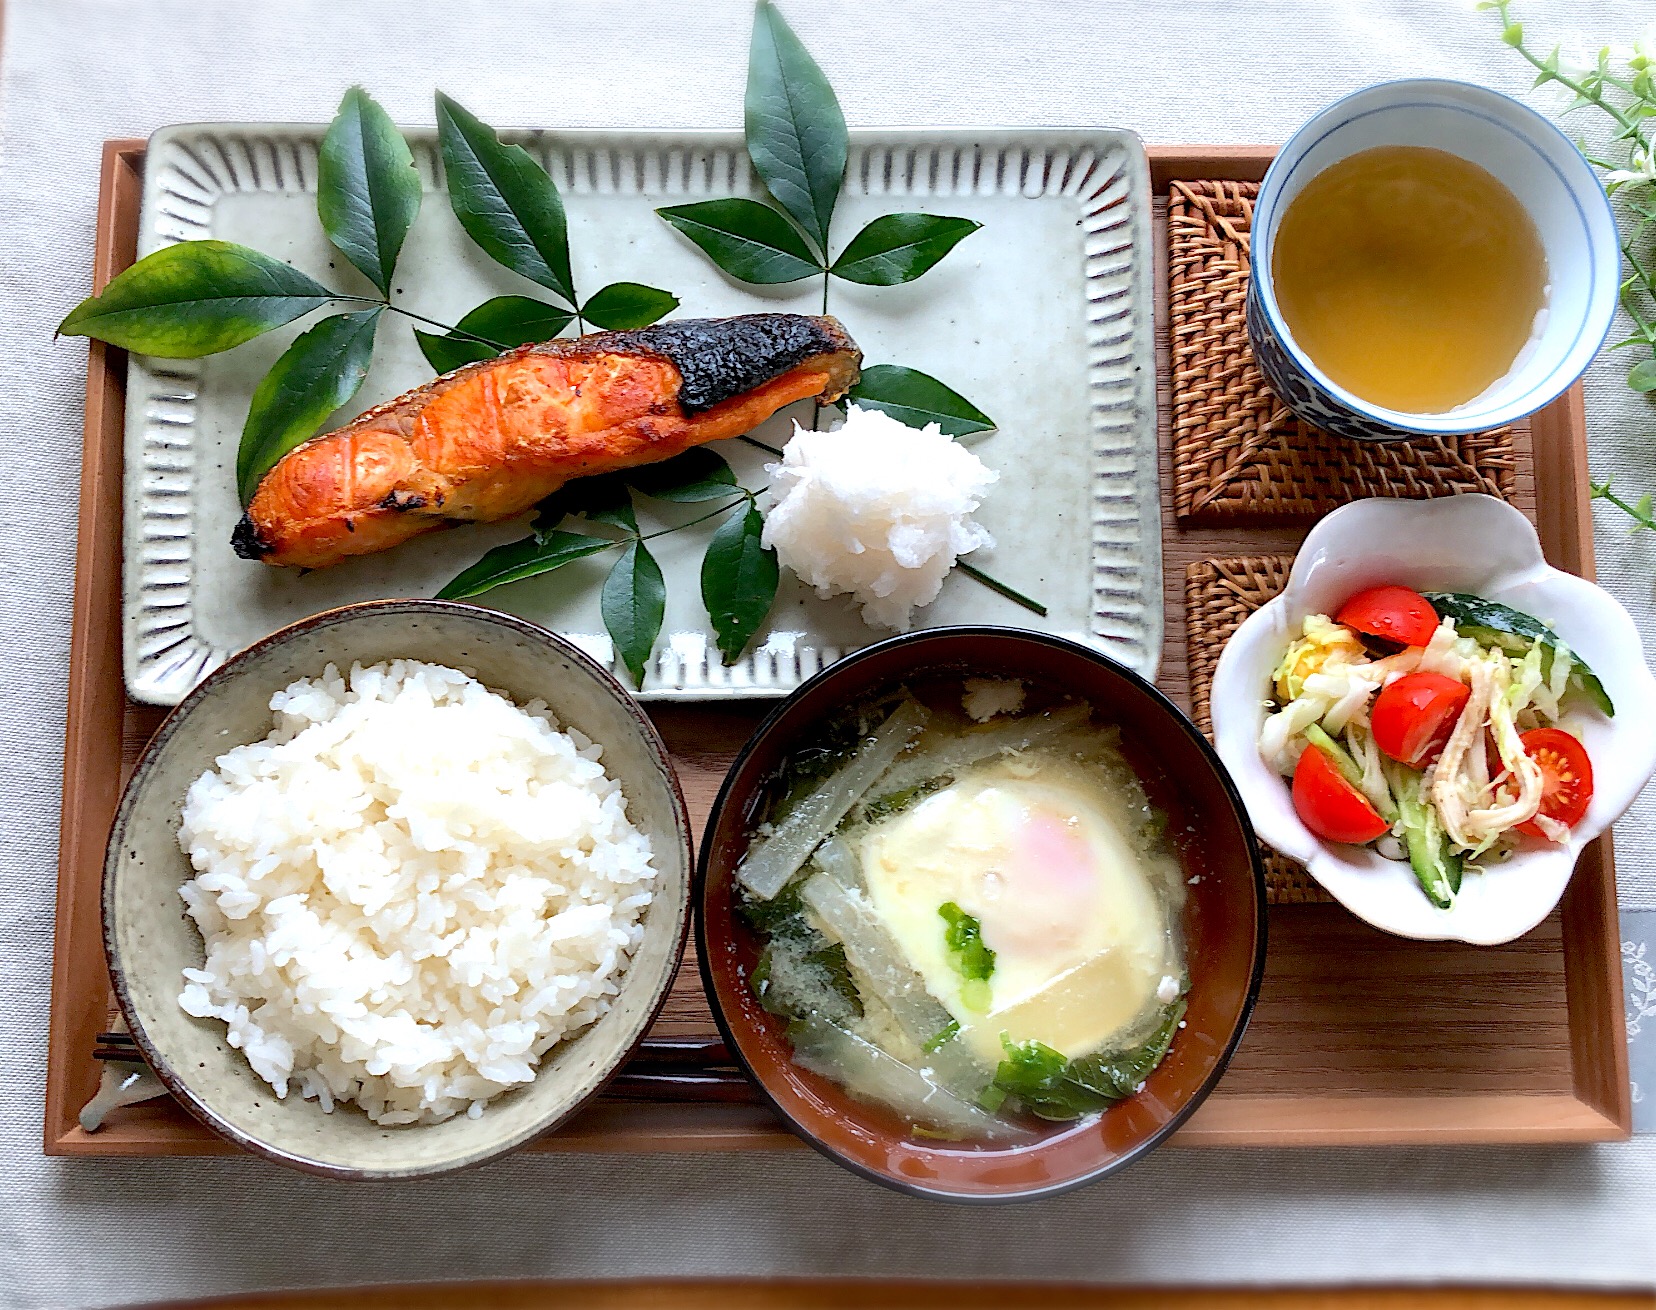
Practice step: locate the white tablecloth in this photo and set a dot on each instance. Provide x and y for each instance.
(89, 1232)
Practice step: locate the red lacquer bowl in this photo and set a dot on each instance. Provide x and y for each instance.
(1224, 922)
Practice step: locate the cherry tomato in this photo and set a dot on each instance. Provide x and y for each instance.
(1394, 613)
(1329, 805)
(1566, 777)
(1413, 717)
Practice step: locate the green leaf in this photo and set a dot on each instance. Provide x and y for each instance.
(506, 321)
(516, 321)
(633, 602)
(1513, 35)
(622, 306)
(897, 248)
(602, 499)
(195, 298)
(795, 131)
(917, 399)
(316, 375)
(738, 578)
(1549, 70)
(446, 353)
(963, 937)
(367, 192)
(522, 559)
(1643, 376)
(698, 474)
(505, 200)
(1055, 1088)
(551, 512)
(750, 241)
(942, 1036)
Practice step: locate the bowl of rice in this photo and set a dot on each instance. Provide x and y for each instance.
(397, 889)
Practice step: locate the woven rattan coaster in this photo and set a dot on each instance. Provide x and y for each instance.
(1219, 594)
(1237, 451)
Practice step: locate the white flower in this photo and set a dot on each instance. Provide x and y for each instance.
(1644, 45)
(1641, 167)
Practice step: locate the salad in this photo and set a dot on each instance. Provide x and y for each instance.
(1435, 727)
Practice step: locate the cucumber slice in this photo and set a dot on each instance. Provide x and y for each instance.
(1437, 865)
(1349, 769)
(1490, 623)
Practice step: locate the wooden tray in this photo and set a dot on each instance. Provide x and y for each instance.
(1357, 1038)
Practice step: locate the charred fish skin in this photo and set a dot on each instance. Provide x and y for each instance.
(719, 359)
(245, 539)
(492, 438)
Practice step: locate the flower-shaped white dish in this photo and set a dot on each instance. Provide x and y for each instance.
(1472, 544)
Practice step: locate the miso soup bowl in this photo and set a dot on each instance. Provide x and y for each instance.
(1224, 922)
(1535, 161)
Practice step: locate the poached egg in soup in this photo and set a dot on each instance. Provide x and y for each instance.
(1036, 849)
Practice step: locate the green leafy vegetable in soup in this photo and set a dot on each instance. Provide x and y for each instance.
(972, 959)
(973, 923)
(1055, 1088)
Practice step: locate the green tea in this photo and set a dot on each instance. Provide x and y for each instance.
(1410, 276)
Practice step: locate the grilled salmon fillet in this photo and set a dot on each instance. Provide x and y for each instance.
(489, 440)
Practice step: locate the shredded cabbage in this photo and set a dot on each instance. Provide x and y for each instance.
(1325, 678)
(1366, 752)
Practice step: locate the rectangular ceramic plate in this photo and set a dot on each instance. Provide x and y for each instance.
(1044, 319)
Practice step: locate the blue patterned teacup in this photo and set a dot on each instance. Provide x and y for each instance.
(1536, 162)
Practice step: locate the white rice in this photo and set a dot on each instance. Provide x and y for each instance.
(877, 509)
(409, 892)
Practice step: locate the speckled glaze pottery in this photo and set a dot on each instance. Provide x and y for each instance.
(150, 940)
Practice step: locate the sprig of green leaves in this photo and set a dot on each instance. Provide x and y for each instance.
(198, 298)
(510, 206)
(1641, 511)
(1627, 96)
(739, 574)
(798, 144)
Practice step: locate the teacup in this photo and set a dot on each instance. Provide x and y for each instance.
(1526, 153)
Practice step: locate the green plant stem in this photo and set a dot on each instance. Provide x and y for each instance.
(995, 584)
(429, 322)
(764, 446)
(748, 496)
(1593, 96)
(1641, 515)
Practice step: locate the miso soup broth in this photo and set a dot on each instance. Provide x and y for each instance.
(968, 911)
